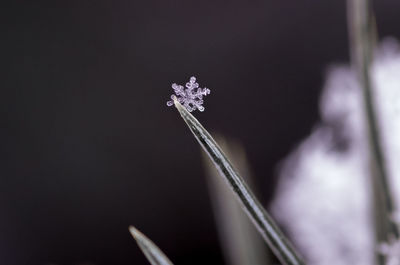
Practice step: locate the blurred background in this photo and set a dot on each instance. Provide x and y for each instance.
(89, 147)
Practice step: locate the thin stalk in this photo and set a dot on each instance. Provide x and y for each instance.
(261, 219)
(362, 37)
(240, 241)
(150, 250)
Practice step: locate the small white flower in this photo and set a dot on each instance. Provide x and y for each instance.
(188, 97)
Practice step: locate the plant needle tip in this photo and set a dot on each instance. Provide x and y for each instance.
(177, 104)
(134, 232)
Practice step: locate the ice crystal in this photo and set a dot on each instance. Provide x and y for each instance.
(191, 98)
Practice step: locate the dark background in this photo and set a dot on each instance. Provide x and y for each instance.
(88, 145)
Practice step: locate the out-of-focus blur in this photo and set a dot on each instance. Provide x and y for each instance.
(89, 147)
(324, 183)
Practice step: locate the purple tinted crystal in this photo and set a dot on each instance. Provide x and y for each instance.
(191, 97)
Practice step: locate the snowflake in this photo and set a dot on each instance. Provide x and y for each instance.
(188, 97)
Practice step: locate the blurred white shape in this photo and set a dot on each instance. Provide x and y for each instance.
(391, 250)
(387, 82)
(323, 192)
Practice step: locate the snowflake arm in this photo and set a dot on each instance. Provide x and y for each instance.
(191, 97)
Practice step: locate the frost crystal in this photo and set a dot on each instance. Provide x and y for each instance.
(190, 98)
